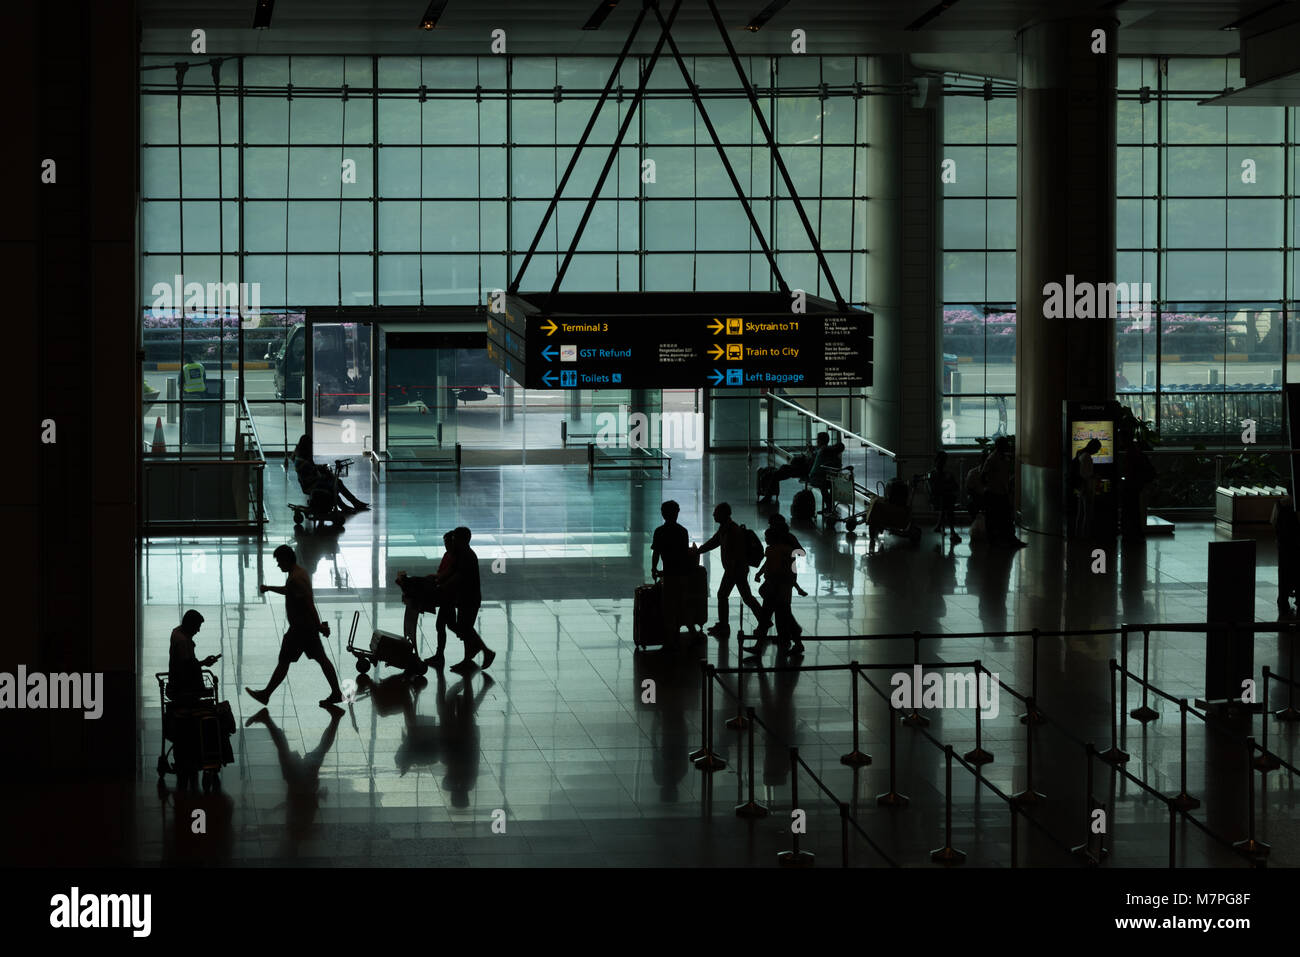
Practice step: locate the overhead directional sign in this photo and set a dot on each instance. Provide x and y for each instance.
(638, 341)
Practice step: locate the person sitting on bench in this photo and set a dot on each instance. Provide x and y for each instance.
(826, 464)
(312, 476)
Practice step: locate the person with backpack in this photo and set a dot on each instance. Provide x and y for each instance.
(737, 558)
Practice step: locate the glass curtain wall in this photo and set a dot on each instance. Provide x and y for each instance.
(979, 267)
(818, 115)
(356, 181)
(1205, 214)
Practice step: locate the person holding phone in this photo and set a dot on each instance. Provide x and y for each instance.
(184, 669)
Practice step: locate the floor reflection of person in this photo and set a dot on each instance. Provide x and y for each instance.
(460, 738)
(301, 773)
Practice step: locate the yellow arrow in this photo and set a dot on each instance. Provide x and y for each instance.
(550, 326)
(716, 352)
(716, 327)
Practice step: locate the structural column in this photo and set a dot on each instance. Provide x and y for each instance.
(903, 241)
(1065, 209)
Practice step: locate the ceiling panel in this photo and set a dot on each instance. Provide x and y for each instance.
(536, 26)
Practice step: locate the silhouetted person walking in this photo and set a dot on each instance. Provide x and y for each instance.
(730, 537)
(777, 592)
(467, 594)
(305, 629)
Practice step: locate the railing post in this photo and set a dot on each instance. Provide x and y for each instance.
(1266, 761)
(892, 798)
(1114, 754)
(794, 857)
(751, 808)
(947, 854)
(1251, 848)
(1182, 800)
(1015, 837)
(914, 718)
(1123, 686)
(1033, 715)
(855, 758)
(703, 749)
(1085, 850)
(1029, 795)
(977, 755)
(737, 722)
(1173, 834)
(1289, 713)
(1145, 713)
(709, 760)
(844, 834)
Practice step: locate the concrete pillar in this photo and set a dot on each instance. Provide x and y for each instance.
(884, 151)
(904, 239)
(1065, 208)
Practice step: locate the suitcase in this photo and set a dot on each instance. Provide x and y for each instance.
(769, 486)
(804, 506)
(648, 615)
(697, 600)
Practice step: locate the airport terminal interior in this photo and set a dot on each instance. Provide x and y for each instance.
(1058, 240)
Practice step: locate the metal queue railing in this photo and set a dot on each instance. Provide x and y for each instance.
(1092, 851)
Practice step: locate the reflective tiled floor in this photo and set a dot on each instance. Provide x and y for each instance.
(562, 749)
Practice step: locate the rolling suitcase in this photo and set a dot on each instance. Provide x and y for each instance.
(697, 597)
(769, 486)
(648, 616)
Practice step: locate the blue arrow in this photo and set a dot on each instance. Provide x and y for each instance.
(549, 353)
(716, 377)
(548, 377)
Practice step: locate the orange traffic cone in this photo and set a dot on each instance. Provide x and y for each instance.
(159, 443)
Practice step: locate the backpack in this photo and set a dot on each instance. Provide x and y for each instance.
(753, 547)
(804, 506)
(896, 492)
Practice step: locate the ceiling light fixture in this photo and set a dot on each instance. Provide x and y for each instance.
(598, 16)
(930, 14)
(1236, 24)
(262, 14)
(431, 15)
(767, 13)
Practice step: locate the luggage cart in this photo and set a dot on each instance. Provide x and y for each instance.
(884, 515)
(386, 648)
(845, 491)
(195, 735)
